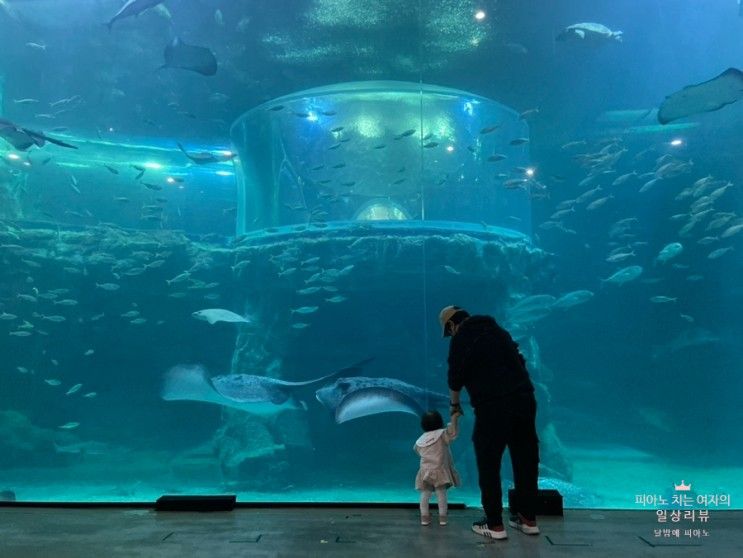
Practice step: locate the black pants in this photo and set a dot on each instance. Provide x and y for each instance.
(510, 423)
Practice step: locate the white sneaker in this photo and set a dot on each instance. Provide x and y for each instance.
(524, 525)
(493, 532)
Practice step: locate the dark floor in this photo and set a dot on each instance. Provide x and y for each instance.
(386, 533)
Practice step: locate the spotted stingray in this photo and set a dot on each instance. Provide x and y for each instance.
(255, 394)
(355, 397)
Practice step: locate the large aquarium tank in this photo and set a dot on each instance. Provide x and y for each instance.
(227, 229)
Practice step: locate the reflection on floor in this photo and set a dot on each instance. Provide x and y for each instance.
(36, 532)
(602, 478)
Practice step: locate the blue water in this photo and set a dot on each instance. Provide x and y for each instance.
(344, 244)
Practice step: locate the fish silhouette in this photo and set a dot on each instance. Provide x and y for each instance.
(132, 8)
(714, 94)
(23, 138)
(355, 397)
(260, 395)
(193, 58)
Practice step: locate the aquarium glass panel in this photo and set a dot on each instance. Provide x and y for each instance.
(227, 230)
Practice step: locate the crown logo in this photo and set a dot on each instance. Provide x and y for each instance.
(682, 486)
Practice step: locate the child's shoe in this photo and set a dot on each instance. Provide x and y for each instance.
(442, 520)
(425, 520)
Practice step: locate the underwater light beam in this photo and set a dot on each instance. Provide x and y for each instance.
(677, 142)
(480, 15)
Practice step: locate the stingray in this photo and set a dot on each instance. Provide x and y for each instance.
(189, 57)
(23, 138)
(204, 157)
(255, 394)
(709, 96)
(132, 8)
(355, 397)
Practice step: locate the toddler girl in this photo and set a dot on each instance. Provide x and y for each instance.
(437, 470)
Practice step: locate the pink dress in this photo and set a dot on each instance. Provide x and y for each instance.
(437, 467)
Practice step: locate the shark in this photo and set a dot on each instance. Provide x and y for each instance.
(132, 8)
(350, 398)
(260, 395)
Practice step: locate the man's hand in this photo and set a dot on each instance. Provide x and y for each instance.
(454, 405)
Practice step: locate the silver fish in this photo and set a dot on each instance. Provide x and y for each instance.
(620, 257)
(625, 275)
(660, 299)
(214, 315)
(572, 299)
(108, 286)
(669, 251)
(305, 310)
(719, 252)
(74, 389)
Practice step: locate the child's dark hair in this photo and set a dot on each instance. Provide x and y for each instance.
(432, 420)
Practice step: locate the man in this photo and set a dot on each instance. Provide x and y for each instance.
(484, 359)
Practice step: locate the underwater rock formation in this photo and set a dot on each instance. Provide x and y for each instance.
(10, 191)
(247, 453)
(21, 441)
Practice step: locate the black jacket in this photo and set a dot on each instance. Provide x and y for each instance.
(484, 359)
